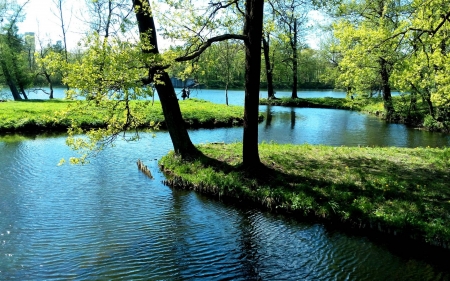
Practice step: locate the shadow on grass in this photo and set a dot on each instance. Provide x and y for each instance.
(404, 179)
(405, 199)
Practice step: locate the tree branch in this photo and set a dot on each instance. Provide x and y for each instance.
(432, 32)
(208, 43)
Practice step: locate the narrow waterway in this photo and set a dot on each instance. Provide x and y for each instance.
(106, 220)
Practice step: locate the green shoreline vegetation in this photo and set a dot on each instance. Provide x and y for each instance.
(416, 116)
(399, 191)
(56, 115)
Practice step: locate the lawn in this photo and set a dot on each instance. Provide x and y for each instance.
(58, 115)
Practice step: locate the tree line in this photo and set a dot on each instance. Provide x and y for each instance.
(221, 66)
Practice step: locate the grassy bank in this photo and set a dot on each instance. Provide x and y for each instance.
(400, 191)
(326, 102)
(58, 115)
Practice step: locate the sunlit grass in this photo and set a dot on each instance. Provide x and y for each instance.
(58, 115)
(326, 102)
(399, 190)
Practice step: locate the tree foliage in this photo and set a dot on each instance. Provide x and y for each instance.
(14, 64)
(109, 76)
(425, 73)
(369, 53)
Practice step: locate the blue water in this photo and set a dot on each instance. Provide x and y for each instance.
(108, 221)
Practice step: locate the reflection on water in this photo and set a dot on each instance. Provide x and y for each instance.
(340, 127)
(108, 221)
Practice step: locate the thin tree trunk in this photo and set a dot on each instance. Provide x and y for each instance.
(171, 109)
(253, 31)
(59, 4)
(24, 94)
(294, 62)
(427, 99)
(226, 94)
(50, 84)
(269, 76)
(227, 52)
(386, 90)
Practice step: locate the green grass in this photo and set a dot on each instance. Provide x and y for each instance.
(55, 115)
(397, 190)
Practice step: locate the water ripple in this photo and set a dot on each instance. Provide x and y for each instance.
(108, 221)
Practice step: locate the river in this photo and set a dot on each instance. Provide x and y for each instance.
(106, 220)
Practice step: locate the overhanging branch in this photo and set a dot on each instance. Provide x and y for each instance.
(208, 43)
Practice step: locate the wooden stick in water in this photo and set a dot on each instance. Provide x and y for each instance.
(144, 169)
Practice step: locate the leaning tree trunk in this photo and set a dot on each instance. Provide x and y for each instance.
(11, 84)
(22, 91)
(386, 90)
(181, 141)
(253, 32)
(269, 76)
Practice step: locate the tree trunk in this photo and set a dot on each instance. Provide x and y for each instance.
(22, 91)
(11, 84)
(269, 76)
(294, 62)
(386, 90)
(226, 94)
(50, 84)
(253, 31)
(427, 99)
(181, 141)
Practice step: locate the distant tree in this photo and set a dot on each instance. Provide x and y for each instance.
(368, 55)
(59, 12)
(13, 59)
(49, 64)
(269, 28)
(227, 61)
(292, 16)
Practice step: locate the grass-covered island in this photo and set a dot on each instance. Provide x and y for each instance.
(398, 191)
(58, 115)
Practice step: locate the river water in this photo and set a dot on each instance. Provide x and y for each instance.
(108, 221)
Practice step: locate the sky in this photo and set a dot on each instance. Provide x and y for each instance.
(41, 19)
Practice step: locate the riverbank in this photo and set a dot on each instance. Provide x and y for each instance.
(326, 102)
(416, 116)
(399, 191)
(58, 115)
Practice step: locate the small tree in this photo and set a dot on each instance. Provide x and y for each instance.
(292, 16)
